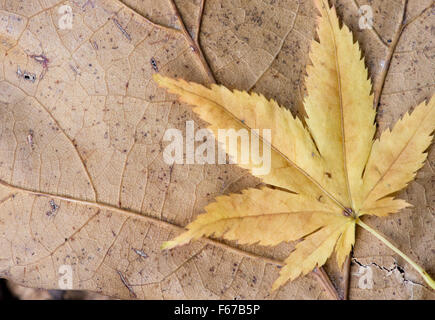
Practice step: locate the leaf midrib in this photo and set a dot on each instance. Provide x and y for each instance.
(337, 65)
(264, 215)
(135, 215)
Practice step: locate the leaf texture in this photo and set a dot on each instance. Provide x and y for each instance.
(295, 157)
(82, 179)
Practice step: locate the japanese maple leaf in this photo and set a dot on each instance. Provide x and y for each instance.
(329, 173)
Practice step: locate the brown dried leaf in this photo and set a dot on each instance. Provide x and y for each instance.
(80, 143)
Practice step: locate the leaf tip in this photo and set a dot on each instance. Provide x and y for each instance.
(275, 286)
(168, 245)
(322, 5)
(157, 77)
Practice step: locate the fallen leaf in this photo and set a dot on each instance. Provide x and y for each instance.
(332, 172)
(63, 137)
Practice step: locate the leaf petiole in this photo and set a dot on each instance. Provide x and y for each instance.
(420, 270)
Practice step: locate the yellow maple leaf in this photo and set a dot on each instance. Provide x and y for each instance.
(329, 173)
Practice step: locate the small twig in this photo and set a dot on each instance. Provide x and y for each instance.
(323, 278)
(121, 28)
(198, 23)
(126, 284)
(194, 46)
(346, 277)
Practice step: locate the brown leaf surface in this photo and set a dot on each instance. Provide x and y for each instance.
(81, 146)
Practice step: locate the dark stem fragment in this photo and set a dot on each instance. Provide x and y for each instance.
(346, 277)
(323, 278)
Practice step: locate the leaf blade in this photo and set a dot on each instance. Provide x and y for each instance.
(398, 154)
(313, 251)
(285, 172)
(345, 243)
(267, 216)
(385, 206)
(339, 105)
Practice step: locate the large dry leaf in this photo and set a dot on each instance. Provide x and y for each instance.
(84, 179)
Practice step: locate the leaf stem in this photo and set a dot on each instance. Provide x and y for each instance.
(346, 277)
(194, 46)
(419, 269)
